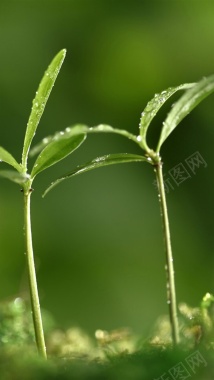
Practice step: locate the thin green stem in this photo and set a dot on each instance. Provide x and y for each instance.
(171, 293)
(36, 312)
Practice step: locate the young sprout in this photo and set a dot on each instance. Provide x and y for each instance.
(54, 150)
(194, 94)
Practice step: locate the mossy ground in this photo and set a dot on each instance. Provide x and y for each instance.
(148, 364)
(118, 354)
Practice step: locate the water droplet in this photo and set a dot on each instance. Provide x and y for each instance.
(139, 138)
(67, 129)
(149, 107)
(162, 100)
(61, 133)
(45, 140)
(168, 302)
(143, 114)
(163, 92)
(100, 127)
(18, 301)
(98, 159)
(186, 108)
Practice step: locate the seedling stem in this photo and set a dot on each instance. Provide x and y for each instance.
(37, 318)
(170, 283)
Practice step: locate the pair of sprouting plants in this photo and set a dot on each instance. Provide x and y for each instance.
(54, 148)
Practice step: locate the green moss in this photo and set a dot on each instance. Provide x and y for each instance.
(110, 355)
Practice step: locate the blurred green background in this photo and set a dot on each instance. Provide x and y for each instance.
(98, 237)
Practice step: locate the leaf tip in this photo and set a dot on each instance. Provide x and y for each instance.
(64, 51)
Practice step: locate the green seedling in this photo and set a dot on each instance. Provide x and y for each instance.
(57, 148)
(193, 95)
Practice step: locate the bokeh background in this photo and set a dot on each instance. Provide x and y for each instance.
(98, 237)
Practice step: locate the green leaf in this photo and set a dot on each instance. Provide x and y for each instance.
(84, 129)
(40, 146)
(153, 107)
(9, 159)
(99, 162)
(40, 101)
(73, 130)
(103, 128)
(185, 105)
(60, 146)
(14, 176)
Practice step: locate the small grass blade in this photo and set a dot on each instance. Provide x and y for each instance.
(153, 107)
(63, 144)
(14, 176)
(99, 162)
(40, 101)
(191, 98)
(9, 159)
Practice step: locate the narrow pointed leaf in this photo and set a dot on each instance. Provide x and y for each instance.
(9, 159)
(110, 159)
(61, 146)
(102, 128)
(153, 107)
(40, 101)
(185, 105)
(14, 176)
(73, 130)
(40, 146)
